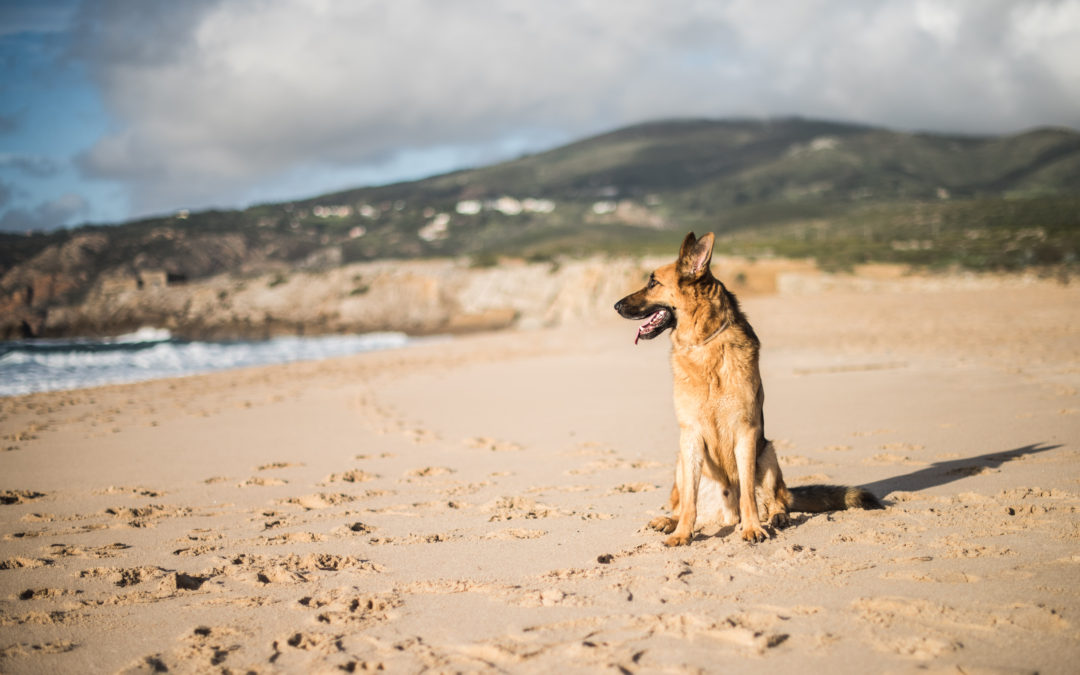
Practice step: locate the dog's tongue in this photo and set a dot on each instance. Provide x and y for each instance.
(648, 325)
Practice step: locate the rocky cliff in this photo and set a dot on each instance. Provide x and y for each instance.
(53, 295)
(417, 297)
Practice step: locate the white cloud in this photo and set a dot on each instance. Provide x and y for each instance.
(219, 98)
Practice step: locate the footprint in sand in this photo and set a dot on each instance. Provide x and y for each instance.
(549, 597)
(514, 533)
(19, 496)
(434, 538)
(278, 465)
(796, 460)
(80, 529)
(293, 568)
(892, 458)
(124, 576)
(321, 500)
(38, 518)
(519, 508)
(289, 538)
(46, 593)
(354, 528)
(731, 630)
(933, 577)
(137, 491)
(611, 463)
(420, 436)
(901, 446)
(259, 481)
(68, 550)
(37, 648)
(355, 610)
(202, 649)
(20, 562)
(146, 516)
(196, 550)
(491, 444)
(306, 641)
(354, 476)
(631, 488)
(426, 472)
(381, 455)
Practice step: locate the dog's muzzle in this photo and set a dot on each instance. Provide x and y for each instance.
(659, 319)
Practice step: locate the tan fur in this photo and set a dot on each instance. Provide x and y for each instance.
(719, 400)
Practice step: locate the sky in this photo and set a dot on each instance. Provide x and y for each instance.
(112, 110)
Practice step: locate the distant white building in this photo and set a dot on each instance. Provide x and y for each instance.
(538, 205)
(332, 211)
(357, 232)
(603, 208)
(508, 206)
(368, 211)
(469, 207)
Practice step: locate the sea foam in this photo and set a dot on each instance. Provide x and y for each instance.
(28, 366)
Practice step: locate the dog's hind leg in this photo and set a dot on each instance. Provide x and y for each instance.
(773, 491)
(687, 478)
(729, 513)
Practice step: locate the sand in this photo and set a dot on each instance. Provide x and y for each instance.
(479, 504)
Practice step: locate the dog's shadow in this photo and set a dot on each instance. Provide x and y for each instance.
(938, 473)
(941, 473)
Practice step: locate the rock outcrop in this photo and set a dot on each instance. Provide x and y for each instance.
(206, 286)
(416, 297)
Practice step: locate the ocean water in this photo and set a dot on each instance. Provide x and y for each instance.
(28, 366)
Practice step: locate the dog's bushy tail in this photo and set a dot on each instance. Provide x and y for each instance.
(818, 498)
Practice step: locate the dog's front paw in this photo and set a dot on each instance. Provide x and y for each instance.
(663, 524)
(678, 540)
(754, 535)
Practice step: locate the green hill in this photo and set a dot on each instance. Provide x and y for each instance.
(839, 192)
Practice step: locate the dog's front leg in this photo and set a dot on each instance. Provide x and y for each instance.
(687, 477)
(667, 524)
(746, 461)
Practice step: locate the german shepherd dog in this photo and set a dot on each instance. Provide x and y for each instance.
(718, 404)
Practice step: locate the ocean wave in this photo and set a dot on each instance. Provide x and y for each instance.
(28, 367)
(144, 334)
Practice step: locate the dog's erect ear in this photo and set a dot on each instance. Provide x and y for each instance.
(687, 245)
(694, 256)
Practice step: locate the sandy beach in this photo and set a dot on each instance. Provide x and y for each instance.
(479, 504)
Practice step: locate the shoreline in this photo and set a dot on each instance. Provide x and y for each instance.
(480, 504)
(67, 365)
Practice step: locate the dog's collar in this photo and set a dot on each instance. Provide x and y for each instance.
(723, 327)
